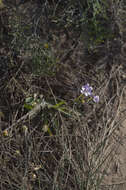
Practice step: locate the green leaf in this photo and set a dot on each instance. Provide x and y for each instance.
(28, 106)
(29, 100)
(59, 104)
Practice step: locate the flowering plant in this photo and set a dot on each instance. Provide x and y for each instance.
(87, 91)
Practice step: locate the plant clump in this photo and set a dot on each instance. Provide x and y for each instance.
(62, 84)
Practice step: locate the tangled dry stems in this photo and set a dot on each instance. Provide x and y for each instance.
(77, 152)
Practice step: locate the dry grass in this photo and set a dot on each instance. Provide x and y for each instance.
(54, 142)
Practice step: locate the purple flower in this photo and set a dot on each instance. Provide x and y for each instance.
(86, 90)
(96, 99)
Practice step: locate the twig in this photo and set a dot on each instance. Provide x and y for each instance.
(37, 109)
(30, 115)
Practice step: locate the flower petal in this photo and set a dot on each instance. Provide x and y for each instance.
(96, 99)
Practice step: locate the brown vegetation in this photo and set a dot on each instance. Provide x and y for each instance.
(50, 139)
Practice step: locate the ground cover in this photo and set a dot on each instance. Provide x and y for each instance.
(62, 95)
